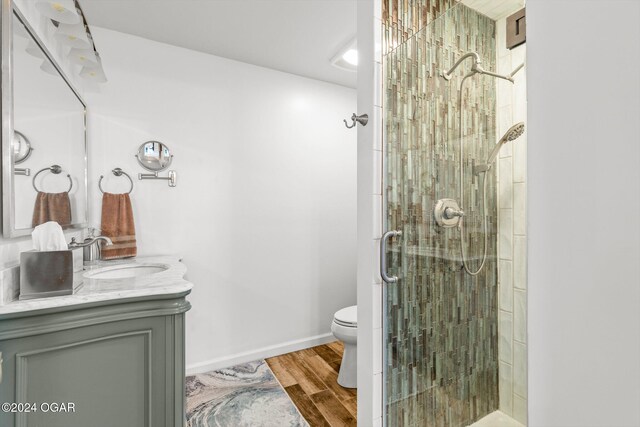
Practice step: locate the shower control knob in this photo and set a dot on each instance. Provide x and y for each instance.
(451, 213)
(447, 213)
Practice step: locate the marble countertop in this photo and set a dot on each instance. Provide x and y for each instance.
(168, 282)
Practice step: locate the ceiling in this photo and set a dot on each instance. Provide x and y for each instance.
(495, 9)
(295, 36)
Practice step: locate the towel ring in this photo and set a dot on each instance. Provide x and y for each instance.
(55, 169)
(116, 172)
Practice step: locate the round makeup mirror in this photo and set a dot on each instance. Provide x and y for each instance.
(21, 148)
(154, 156)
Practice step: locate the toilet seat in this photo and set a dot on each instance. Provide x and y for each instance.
(347, 317)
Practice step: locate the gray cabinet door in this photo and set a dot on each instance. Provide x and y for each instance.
(126, 373)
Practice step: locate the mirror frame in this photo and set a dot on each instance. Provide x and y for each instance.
(141, 162)
(8, 11)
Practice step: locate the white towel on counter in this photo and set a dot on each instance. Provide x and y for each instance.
(49, 237)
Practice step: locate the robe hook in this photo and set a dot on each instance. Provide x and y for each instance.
(362, 119)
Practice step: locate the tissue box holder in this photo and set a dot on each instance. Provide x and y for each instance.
(46, 274)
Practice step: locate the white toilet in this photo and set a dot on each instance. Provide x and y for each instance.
(345, 328)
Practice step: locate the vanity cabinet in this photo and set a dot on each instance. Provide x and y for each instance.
(115, 363)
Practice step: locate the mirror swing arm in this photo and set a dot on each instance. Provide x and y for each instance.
(172, 177)
(22, 171)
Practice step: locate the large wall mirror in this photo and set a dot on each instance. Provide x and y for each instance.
(44, 116)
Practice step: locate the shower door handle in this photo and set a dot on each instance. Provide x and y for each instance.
(383, 256)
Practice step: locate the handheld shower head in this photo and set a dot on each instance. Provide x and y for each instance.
(512, 134)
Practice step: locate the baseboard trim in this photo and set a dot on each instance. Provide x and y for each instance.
(260, 353)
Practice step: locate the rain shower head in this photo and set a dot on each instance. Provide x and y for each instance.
(512, 134)
(476, 68)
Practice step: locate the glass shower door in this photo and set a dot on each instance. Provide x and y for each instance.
(440, 337)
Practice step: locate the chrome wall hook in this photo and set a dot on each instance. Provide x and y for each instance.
(363, 119)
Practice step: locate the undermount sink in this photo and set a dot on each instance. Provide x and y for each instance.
(126, 271)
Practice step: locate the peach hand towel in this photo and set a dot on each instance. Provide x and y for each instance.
(52, 207)
(117, 224)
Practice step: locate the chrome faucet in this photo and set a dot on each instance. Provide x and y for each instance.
(91, 247)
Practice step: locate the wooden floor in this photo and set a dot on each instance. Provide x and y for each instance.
(310, 377)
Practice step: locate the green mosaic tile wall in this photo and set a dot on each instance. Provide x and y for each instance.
(441, 364)
(402, 19)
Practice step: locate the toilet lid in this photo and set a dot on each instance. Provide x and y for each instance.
(347, 316)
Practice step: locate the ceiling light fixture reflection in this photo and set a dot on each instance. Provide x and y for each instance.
(73, 35)
(48, 68)
(63, 11)
(84, 57)
(34, 50)
(94, 73)
(19, 30)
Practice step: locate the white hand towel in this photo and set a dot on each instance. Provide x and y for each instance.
(49, 237)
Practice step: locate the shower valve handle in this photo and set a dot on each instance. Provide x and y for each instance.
(450, 213)
(447, 213)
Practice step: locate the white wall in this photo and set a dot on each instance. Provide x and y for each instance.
(512, 231)
(264, 213)
(584, 211)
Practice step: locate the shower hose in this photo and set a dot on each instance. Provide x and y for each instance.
(465, 262)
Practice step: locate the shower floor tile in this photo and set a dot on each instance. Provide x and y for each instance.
(496, 419)
(310, 377)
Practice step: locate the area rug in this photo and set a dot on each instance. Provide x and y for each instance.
(242, 395)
